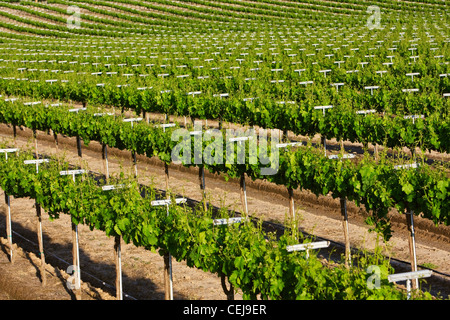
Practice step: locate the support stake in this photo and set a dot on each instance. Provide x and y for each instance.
(409, 214)
(41, 244)
(117, 252)
(39, 222)
(243, 193)
(118, 261)
(201, 179)
(346, 233)
(8, 204)
(75, 242)
(291, 203)
(168, 281)
(412, 245)
(105, 161)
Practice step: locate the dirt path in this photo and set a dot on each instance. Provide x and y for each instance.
(143, 270)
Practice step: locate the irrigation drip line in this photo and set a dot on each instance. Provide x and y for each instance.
(267, 224)
(276, 226)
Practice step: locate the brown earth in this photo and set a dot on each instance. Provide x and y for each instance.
(143, 270)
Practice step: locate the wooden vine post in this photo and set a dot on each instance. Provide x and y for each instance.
(76, 110)
(75, 242)
(348, 258)
(105, 150)
(133, 153)
(39, 224)
(243, 192)
(323, 108)
(8, 204)
(118, 262)
(55, 135)
(117, 253)
(168, 281)
(343, 203)
(166, 165)
(105, 161)
(409, 215)
(291, 203)
(36, 153)
(34, 130)
(290, 189)
(201, 168)
(201, 180)
(168, 285)
(242, 187)
(365, 112)
(14, 126)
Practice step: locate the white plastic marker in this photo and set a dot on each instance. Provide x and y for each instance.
(410, 90)
(410, 226)
(371, 88)
(308, 246)
(344, 156)
(323, 108)
(366, 111)
(37, 162)
(405, 166)
(76, 248)
(219, 222)
(283, 145)
(337, 85)
(408, 276)
(414, 117)
(39, 223)
(299, 71)
(167, 258)
(8, 203)
(165, 125)
(325, 71)
(167, 202)
(306, 82)
(412, 74)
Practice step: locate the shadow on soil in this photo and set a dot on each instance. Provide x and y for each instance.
(139, 288)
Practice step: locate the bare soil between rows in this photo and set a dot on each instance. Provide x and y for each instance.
(142, 269)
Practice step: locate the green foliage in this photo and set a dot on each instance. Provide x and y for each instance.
(374, 184)
(255, 262)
